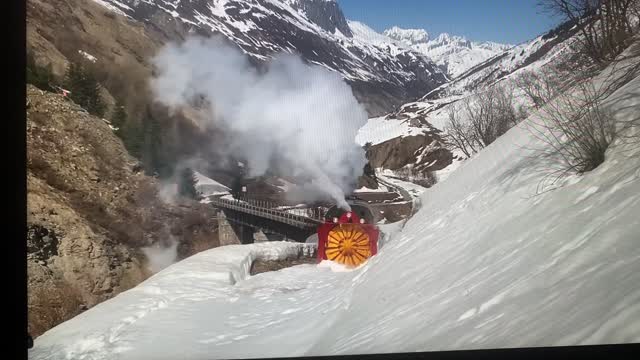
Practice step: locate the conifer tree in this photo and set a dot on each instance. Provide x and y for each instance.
(40, 77)
(133, 138)
(187, 184)
(153, 151)
(85, 89)
(119, 118)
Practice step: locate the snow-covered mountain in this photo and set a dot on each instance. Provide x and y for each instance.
(455, 54)
(420, 118)
(381, 74)
(555, 47)
(408, 36)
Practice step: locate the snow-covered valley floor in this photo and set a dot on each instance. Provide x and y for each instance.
(485, 263)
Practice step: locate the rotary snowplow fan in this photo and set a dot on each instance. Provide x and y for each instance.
(347, 240)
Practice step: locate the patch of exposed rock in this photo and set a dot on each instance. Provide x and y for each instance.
(89, 213)
(425, 152)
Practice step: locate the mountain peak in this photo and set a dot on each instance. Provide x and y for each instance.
(453, 53)
(325, 13)
(408, 36)
(446, 39)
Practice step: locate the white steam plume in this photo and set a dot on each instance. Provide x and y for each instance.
(160, 256)
(292, 113)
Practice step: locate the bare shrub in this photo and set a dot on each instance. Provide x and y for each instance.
(49, 307)
(193, 218)
(540, 86)
(42, 169)
(460, 133)
(198, 230)
(126, 81)
(522, 112)
(577, 129)
(201, 241)
(146, 194)
(479, 120)
(625, 68)
(423, 178)
(428, 180)
(606, 26)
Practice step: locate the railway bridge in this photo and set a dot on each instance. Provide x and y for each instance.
(248, 216)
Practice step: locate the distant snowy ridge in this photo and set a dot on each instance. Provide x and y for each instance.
(455, 54)
(383, 75)
(553, 49)
(408, 36)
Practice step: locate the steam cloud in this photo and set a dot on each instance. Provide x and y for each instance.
(160, 257)
(305, 117)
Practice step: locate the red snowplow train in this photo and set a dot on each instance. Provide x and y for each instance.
(347, 238)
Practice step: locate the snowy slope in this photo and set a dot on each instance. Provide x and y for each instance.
(379, 129)
(553, 47)
(483, 264)
(207, 187)
(432, 111)
(454, 54)
(487, 264)
(425, 114)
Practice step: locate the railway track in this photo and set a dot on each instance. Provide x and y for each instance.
(415, 203)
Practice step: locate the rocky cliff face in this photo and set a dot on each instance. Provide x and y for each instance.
(91, 213)
(421, 153)
(326, 13)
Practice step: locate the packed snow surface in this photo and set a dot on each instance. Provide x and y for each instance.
(87, 56)
(365, 189)
(378, 130)
(207, 186)
(485, 263)
(414, 190)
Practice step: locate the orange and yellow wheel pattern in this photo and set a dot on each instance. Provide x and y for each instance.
(348, 244)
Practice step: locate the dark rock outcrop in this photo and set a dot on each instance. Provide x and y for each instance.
(424, 152)
(89, 214)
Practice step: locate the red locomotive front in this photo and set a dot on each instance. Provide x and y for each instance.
(347, 239)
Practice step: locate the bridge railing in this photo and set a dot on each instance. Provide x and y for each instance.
(296, 217)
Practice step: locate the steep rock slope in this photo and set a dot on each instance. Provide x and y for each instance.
(64, 31)
(394, 144)
(90, 213)
(382, 77)
(120, 49)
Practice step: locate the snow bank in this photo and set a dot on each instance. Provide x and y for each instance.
(115, 8)
(87, 56)
(486, 264)
(365, 189)
(337, 267)
(379, 130)
(388, 176)
(209, 187)
(196, 287)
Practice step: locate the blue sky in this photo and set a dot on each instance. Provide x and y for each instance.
(506, 21)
